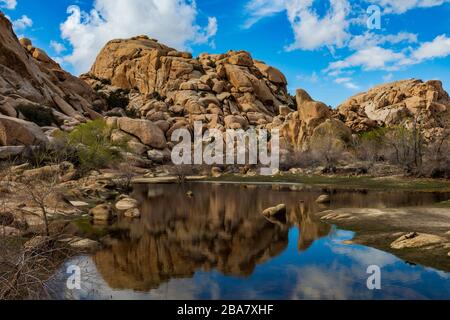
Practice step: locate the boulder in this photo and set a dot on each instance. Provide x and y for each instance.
(146, 131)
(323, 199)
(82, 244)
(6, 231)
(132, 213)
(102, 212)
(275, 211)
(126, 204)
(11, 151)
(309, 109)
(416, 240)
(15, 131)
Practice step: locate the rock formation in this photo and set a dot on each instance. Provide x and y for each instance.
(223, 91)
(34, 88)
(147, 90)
(393, 103)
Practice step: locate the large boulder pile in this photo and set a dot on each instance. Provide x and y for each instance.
(35, 92)
(392, 103)
(172, 90)
(163, 85)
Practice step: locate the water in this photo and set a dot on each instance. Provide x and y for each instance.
(217, 245)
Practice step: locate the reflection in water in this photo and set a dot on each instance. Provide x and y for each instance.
(220, 228)
(218, 245)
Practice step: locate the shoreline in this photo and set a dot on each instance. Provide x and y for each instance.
(342, 182)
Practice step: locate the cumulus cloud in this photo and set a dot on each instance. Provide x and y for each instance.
(378, 58)
(173, 22)
(8, 4)
(401, 6)
(347, 82)
(22, 23)
(311, 31)
(330, 30)
(371, 58)
(438, 48)
(57, 47)
(372, 39)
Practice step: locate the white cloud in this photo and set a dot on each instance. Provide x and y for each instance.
(347, 82)
(311, 31)
(371, 58)
(438, 48)
(378, 58)
(22, 23)
(369, 39)
(8, 4)
(259, 9)
(401, 6)
(173, 22)
(57, 47)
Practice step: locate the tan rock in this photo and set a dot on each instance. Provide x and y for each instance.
(236, 122)
(33, 78)
(102, 212)
(146, 131)
(274, 211)
(40, 55)
(309, 109)
(15, 131)
(416, 240)
(394, 103)
(271, 73)
(126, 204)
(324, 199)
(132, 213)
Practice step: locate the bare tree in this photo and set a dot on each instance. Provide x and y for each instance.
(40, 188)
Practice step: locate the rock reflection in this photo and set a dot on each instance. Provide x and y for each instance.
(221, 228)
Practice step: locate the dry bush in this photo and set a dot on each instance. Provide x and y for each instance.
(24, 273)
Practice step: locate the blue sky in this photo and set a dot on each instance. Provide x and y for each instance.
(323, 46)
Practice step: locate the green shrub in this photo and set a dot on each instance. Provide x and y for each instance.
(42, 116)
(94, 148)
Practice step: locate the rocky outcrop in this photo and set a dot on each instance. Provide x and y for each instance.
(34, 88)
(173, 90)
(393, 103)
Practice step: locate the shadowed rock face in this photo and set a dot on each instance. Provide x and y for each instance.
(28, 77)
(178, 236)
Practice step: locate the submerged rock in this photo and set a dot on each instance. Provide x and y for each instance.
(102, 212)
(132, 213)
(416, 240)
(126, 204)
(275, 211)
(324, 199)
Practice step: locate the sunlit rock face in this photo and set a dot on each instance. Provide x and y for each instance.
(215, 230)
(393, 103)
